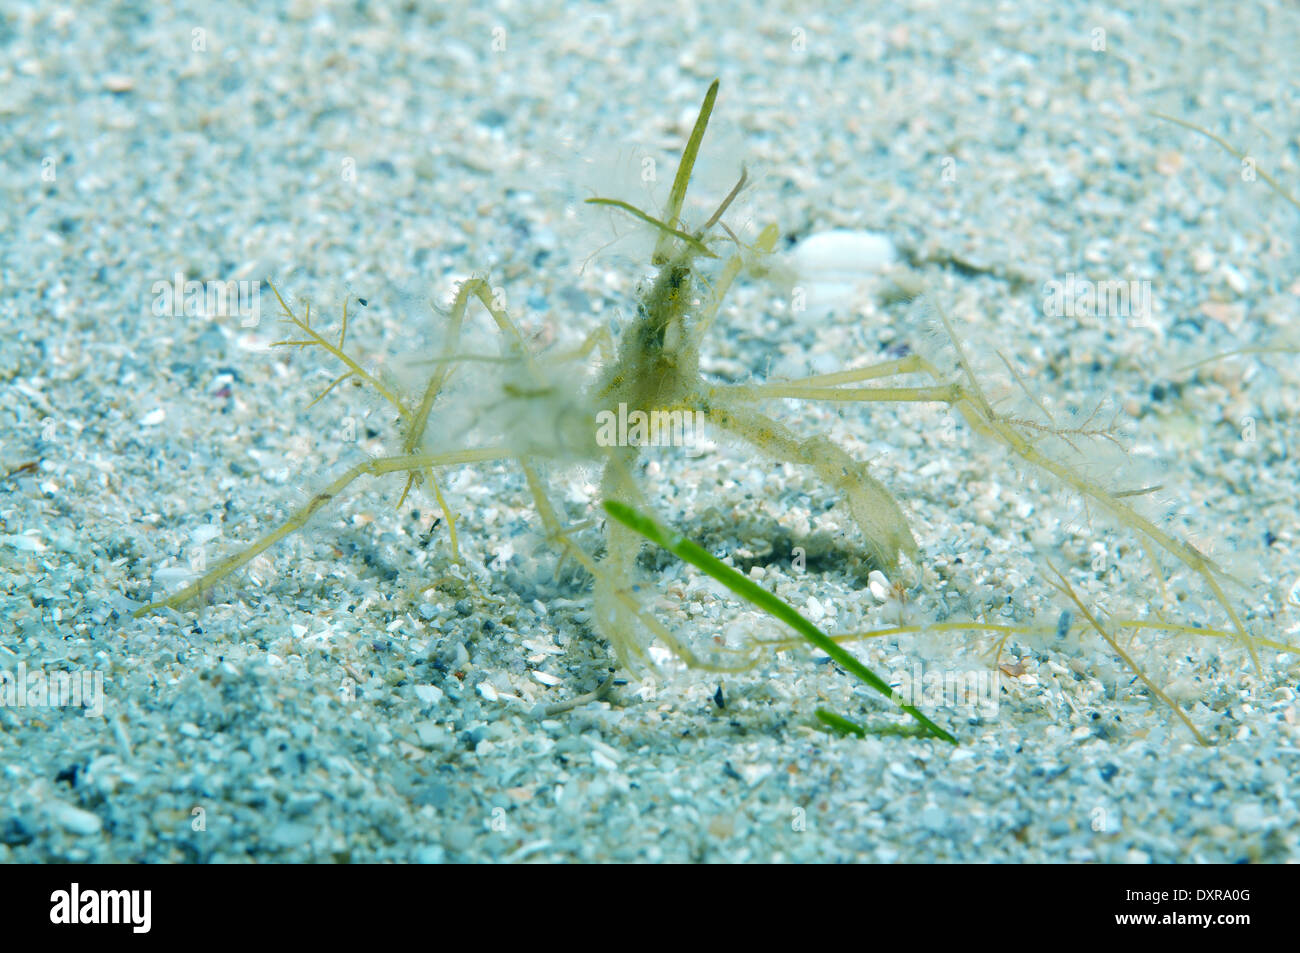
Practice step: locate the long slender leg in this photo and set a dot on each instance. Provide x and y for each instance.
(376, 467)
(551, 520)
(967, 398)
(943, 393)
(619, 593)
(418, 420)
(906, 365)
(597, 338)
(875, 510)
(618, 614)
(481, 290)
(764, 244)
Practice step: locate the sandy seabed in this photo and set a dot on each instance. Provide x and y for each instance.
(321, 707)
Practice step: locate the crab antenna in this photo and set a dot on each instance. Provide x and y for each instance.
(684, 169)
(726, 203)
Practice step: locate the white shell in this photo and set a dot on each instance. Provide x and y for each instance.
(831, 265)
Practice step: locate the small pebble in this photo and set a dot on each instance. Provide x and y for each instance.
(74, 820)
